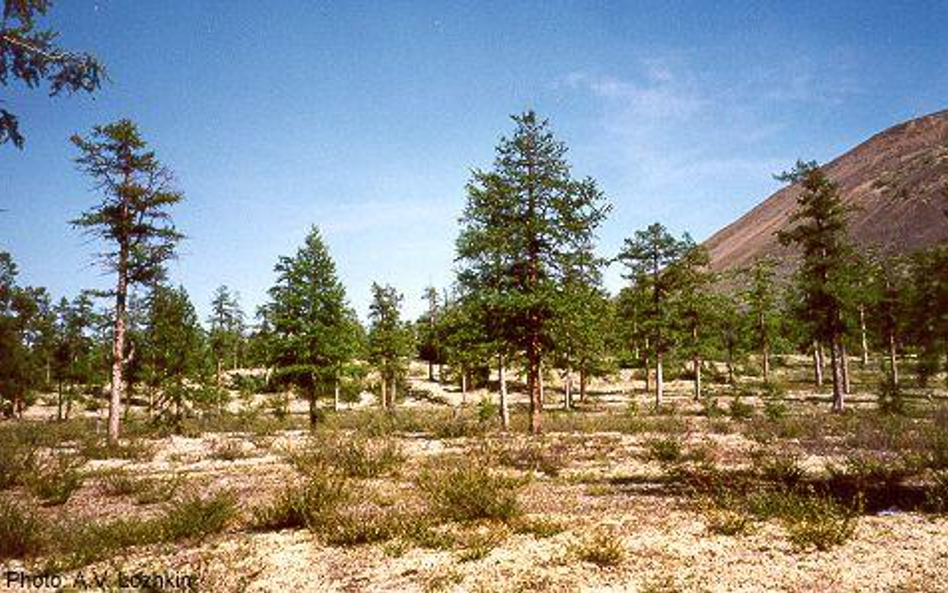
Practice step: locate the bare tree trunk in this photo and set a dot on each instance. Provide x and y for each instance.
(847, 386)
(118, 349)
(818, 363)
(864, 341)
(335, 396)
(430, 371)
(384, 392)
(534, 386)
(393, 394)
(582, 385)
(567, 388)
(893, 364)
(697, 366)
(504, 411)
(464, 387)
(838, 393)
(765, 353)
(659, 382)
(542, 389)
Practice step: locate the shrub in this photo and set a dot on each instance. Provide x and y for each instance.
(355, 456)
(83, 543)
(739, 410)
(196, 518)
(465, 490)
(118, 482)
(666, 451)
(817, 521)
(601, 548)
(56, 479)
(775, 409)
(22, 532)
(778, 467)
(710, 407)
(541, 527)
(94, 447)
(314, 505)
(533, 456)
(229, 450)
(17, 456)
(891, 400)
(154, 490)
(936, 498)
(487, 410)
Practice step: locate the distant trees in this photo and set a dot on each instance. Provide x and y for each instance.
(389, 341)
(650, 256)
(76, 354)
(820, 233)
(15, 376)
(31, 56)
(430, 338)
(526, 228)
(132, 219)
(760, 297)
(226, 328)
(313, 331)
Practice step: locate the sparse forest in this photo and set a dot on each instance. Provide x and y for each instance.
(527, 408)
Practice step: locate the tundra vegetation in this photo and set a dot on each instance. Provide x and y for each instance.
(528, 430)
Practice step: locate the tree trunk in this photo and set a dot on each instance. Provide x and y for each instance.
(838, 393)
(464, 387)
(765, 354)
(582, 385)
(117, 391)
(542, 388)
(818, 363)
(504, 411)
(864, 341)
(847, 386)
(430, 371)
(893, 364)
(567, 389)
(534, 386)
(393, 394)
(659, 382)
(335, 396)
(697, 366)
(384, 392)
(313, 413)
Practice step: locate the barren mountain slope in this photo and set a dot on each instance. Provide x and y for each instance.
(894, 182)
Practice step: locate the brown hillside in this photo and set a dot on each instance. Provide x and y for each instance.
(894, 182)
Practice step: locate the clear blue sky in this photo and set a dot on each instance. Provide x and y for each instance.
(365, 119)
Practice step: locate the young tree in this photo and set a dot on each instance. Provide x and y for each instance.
(75, 361)
(527, 227)
(649, 256)
(761, 299)
(172, 349)
(133, 219)
(31, 56)
(16, 380)
(430, 347)
(389, 340)
(694, 302)
(820, 233)
(310, 322)
(226, 328)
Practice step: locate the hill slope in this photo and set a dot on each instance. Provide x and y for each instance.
(894, 182)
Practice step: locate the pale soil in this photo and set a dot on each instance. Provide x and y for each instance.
(606, 486)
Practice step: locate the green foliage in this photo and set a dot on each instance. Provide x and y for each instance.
(466, 490)
(29, 54)
(389, 339)
(23, 533)
(817, 521)
(195, 517)
(543, 457)
(17, 456)
(541, 527)
(354, 456)
(666, 451)
(739, 410)
(527, 232)
(314, 505)
(56, 478)
(602, 548)
(312, 332)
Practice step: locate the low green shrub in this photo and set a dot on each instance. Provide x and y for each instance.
(355, 456)
(56, 479)
(23, 533)
(666, 451)
(533, 456)
(196, 517)
(739, 410)
(314, 504)
(602, 548)
(466, 490)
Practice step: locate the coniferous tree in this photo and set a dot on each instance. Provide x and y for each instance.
(649, 256)
(430, 346)
(311, 325)
(389, 341)
(75, 363)
(133, 220)
(226, 329)
(30, 55)
(692, 299)
(761, 300)
(16, 380)
(527, 227)
(820, 233)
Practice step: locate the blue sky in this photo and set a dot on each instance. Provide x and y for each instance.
(366, 119)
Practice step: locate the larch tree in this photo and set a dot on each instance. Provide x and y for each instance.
(760, 298)
(74, 358)
(692, 299)
(226, 329)
(132, 219)
(30, 54)
(389, 341)
(820, 233)
(527, 227)
(430, 346)
(16, 380)
(310, 322)
(648, 255)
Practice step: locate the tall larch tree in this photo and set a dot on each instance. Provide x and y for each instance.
(389, 341)
(648, 255)
(134, 222)
(820, 234)
(310, 322)
(760, 298)
(527, 227)
(226, 329)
